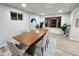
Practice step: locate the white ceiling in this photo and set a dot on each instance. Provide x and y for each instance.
(46, 8)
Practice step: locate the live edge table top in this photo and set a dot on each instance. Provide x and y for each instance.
(28, 38)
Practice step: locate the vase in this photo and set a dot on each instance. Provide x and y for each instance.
(37, 31)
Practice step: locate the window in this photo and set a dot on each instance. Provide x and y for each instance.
(16, 16)
(19, 16)
(13, 16)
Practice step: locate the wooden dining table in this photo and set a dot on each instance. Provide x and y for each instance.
(30, 39)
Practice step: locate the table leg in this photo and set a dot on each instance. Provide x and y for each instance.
(31, 50)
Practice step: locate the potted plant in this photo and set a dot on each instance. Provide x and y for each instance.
(37, 26)
(41, 24)
(64, 28)
(46, 23)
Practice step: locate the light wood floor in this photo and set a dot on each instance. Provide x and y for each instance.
(66, 47)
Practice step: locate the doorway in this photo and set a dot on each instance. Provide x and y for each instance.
(53, 22)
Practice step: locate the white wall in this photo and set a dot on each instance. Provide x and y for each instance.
(65, 18)
(10, 28)
(74, 33)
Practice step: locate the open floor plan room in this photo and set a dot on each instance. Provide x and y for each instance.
(39, 29)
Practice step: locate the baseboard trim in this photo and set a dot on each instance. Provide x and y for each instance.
(73, 39)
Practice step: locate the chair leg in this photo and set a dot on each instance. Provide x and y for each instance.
(45, 47)
(47, 43)
(42, 50)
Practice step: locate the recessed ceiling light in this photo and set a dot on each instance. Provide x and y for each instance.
(42, 13)
(23, 5)
(60, 11)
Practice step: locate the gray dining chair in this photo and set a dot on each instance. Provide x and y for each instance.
(43, 44)
(14, 50)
